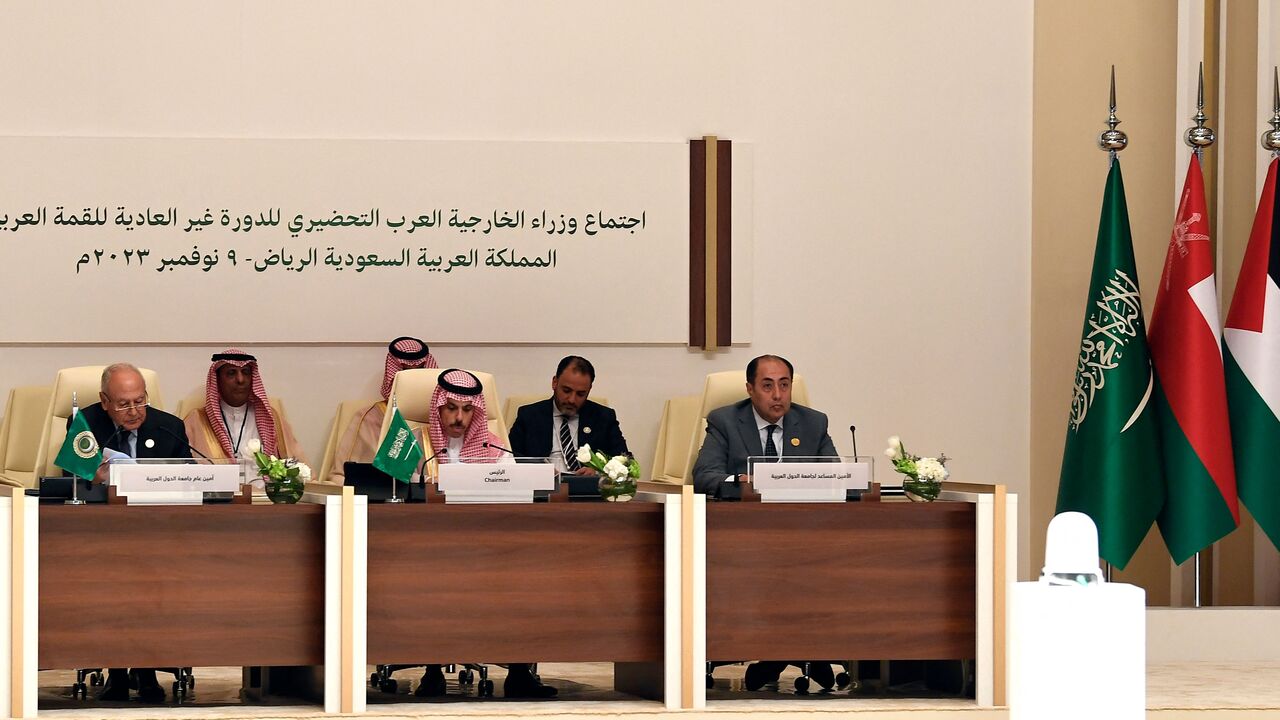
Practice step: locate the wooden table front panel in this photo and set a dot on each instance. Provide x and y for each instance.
(876, 580)
(515, 583)
(174, 586)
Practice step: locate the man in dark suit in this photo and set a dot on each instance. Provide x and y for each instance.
(556, 427)
(122, 420)
(766, 424)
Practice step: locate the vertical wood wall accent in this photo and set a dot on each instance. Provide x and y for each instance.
(710, 242)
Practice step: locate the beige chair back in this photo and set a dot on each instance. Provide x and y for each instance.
(347, 411)
(20, 434)
(190, 401)
(679, 419)
(84, 381)
(412, 390)
(726, 388)
(515, 402)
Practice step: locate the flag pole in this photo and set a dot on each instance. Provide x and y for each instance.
(75, 481)
(1271, 138)
(1112, 141)
(394, 498)
(1198, 138)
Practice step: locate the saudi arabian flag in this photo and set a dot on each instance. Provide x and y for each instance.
(1252, 362)
(1111, 465)
(79, 454)
(1191, 395)
(400, 452)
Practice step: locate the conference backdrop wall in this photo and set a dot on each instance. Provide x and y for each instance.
(889, 189)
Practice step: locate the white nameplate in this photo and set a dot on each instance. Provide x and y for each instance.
(495, 482)
(172, 483)
(809, 481)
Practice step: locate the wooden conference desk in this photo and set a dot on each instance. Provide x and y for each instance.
(873, 580)
(554, 582)
(176, 586)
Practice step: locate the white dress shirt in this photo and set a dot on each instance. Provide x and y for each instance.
(242, 426)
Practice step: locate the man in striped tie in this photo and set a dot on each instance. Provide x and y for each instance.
(556, 427)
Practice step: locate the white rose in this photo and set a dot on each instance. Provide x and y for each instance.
(253, 446)
(616, 469)
(304, 472)
(584, 454)
(931, 469)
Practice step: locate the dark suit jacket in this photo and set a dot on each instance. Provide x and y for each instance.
(597, 427)
(732, 437)
(167, 434)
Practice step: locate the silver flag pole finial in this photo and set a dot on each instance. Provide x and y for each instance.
(1271, 138)
(1111, 139)
(1200, 136)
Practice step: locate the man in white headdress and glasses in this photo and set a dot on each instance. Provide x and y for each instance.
(236, 412)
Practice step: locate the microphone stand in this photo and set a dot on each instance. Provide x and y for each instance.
(75, 481)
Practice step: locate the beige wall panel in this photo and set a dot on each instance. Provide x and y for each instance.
(1075, 45)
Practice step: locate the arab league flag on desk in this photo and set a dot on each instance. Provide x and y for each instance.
(79, 454)
(1191, 395)
(1111, 465)
(1252, 360)
(400, 452)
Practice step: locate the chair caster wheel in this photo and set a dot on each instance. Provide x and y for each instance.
(79, 691)
(389, 686)
(802, 686)
(486, 688)
(375, 680)
(95, 679)
(842, 680)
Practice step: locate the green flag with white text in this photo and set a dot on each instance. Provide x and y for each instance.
(79, 454)
(1111, 467)
(400, 452)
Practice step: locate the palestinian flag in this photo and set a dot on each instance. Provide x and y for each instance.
(1252, 359)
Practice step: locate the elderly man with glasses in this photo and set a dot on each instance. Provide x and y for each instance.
(124, 421)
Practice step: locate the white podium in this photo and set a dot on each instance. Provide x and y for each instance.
(1077, 652)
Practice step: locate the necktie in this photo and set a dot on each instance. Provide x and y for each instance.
(124, 442)
(770, 449)
(567, 446)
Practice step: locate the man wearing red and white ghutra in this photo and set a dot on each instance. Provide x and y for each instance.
(459, 428)
(237, 411)
(359, 443)
(459, 432)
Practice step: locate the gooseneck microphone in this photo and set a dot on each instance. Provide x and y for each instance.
(853, 432)
(185, 442)
(496, 446)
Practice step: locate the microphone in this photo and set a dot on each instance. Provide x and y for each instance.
(853, 432)
(422, 469)
(185, 442)
(496, 446)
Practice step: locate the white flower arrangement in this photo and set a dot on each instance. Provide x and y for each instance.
(618, 474)
(924, 475)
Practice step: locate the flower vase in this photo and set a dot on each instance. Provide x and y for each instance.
(921, 490)
(617, 491)
(287, 491)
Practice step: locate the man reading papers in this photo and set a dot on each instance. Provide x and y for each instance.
(236, 410)
(556, 427)
(359, 442)
(124, 424)
(766, 424)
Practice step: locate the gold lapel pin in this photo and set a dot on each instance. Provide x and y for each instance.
(795, 442)
(586, 430)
